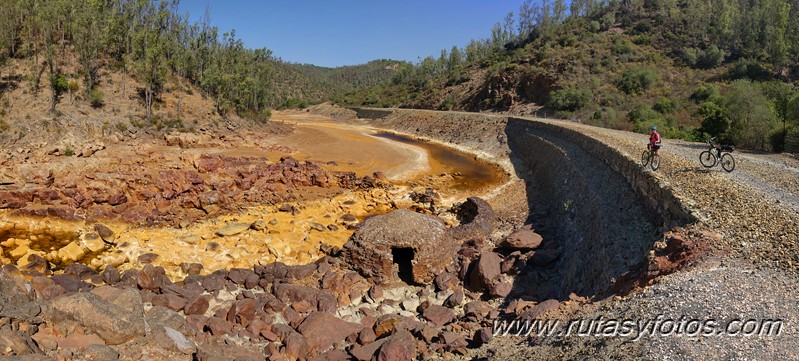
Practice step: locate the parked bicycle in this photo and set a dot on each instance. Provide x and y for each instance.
(718, 154)
(650, 157)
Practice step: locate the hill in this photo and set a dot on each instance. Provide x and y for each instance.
(92, 68)
(693, 68)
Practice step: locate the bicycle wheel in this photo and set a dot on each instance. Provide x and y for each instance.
(645, 158)
(727, 162)
(655, 163)
(707, 159)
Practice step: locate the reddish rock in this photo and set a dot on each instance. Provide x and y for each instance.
(523, 239)
(324, 301)
(438, 315)
(386, 324)
(170, 301)
(540, 309)
(455, 299)
(399, 347)
(482, 336)
(218, 326)
(191, 268)
(242, 311)
(322, 330)
(111, 275)
(296, 347)
(366, 336)
(486, 269)
(501, 289)
(445, 281)
(197, 306)
(365, 353)
(477, 309)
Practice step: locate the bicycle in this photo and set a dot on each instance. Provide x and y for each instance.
(650, 157)
(722, 156)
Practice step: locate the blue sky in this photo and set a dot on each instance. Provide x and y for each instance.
(347, 32)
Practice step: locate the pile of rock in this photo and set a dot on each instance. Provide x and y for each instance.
(322, 310)
(215, 184)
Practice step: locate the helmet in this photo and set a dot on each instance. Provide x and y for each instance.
(654, 128)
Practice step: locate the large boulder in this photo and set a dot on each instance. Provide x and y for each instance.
(323, 330)
(115, 322)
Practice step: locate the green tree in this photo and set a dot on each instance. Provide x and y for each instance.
(752, 116)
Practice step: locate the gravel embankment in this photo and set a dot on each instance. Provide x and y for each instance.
(754, 207)
(752, 275)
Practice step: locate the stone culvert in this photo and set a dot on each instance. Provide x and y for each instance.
(604, 211)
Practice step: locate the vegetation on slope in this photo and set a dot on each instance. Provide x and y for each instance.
(693, 68)
(65, 47)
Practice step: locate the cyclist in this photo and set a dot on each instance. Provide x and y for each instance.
(654, 139)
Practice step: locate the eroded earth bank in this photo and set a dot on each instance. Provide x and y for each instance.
(383, 234)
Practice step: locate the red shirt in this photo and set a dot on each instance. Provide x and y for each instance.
(654, 138)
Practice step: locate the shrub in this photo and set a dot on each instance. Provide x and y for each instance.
(714, 121)
(569, 99)
(705, 93)
(96, 98)
(749, 69)
(710, 58)
(665, 105)
(643, 113)
(59, 83)
(637, 79)
(595, 26)
(621, 46)
(690, 56)
(607, 20)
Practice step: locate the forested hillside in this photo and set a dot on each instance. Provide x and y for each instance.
(694, 68)
(65, 49)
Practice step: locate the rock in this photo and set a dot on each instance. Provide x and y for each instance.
(438, 315)
(540, 309)
(175, 340)
(147, 258)
(290, 293)
(322, 330)
(100, 352)
(151, 277)
(170, 301)
(15, 343)
(296, 346)
(399, 347)
(478, 220)
(317, 227)
(486, 269)
(365, 353)
(454, 342)
(197, 306)
(445, 281)
(218, 326)
(111, 275)
(477, 309)
(105, 233)
(386, 324)
(114, 324)
(191, 268)
(366, 336)
(501, 289)
(78, 341)
(482, 336)
(523, 239)
(376, 292)
(232, 229)
(258, 225)
(455, 299)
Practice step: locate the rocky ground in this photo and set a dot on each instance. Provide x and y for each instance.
(365, 299)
